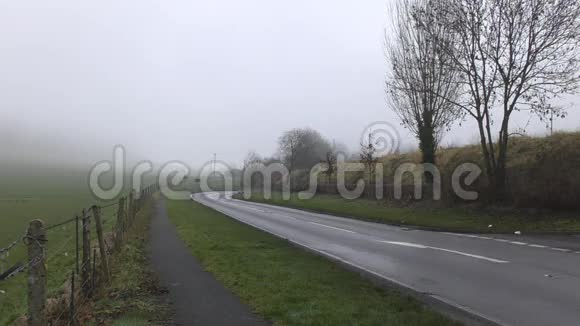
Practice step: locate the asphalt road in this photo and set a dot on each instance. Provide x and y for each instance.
(510, 280)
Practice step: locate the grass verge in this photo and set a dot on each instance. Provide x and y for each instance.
(285, 284)
(449, 219)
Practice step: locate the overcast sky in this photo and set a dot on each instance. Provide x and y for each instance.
(180, 80)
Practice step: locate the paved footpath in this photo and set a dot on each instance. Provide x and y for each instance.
(197, 297)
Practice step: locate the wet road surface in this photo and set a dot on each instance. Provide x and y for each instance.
(509, 280)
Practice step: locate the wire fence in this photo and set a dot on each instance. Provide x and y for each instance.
(87, 260)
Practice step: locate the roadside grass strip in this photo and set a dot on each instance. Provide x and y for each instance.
(287, 285)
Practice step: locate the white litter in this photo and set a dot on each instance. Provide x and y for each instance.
(490, 226)
(518, 233)
(548, 275)
(2, 292)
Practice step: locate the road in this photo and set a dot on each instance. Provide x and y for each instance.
(509, 280)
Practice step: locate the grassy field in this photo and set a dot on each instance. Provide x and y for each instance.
(454, 219)
(52, 197)
(285, 284)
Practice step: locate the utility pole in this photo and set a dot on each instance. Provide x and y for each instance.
(214, 160)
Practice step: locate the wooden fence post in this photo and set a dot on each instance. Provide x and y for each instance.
(94, 270)
(35, 240)
(77, 244)
(86, 265)
(120, 223)
(131, 207)
(102, 246)
(72, 300)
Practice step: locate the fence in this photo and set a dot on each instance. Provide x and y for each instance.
(90, 263)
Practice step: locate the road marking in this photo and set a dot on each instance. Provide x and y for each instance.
(420, 246)
(252, 208)
(246, 206)
(537, 246)
(284, 215)
(332, 227)
(460, 235)
(560, 249)
(510, 241)
(405, 244)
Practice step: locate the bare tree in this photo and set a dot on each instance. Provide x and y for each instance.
(331, 159)
(251, 161)
(252, 158)
(420, 85)
(288, 145)
(302, 148)
(368, 155)
(330, 165)
(512, 55)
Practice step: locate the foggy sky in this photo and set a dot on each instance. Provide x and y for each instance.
(181, 80)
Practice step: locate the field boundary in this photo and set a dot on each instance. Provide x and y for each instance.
(90, 264)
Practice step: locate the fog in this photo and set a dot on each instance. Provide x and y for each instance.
(181, 80)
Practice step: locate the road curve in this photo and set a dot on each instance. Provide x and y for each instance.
(499, 278)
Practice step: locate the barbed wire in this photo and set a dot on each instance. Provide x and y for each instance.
(50, 227)
(77, 305)
(9, 247)
(13, 244)
(110, 205)
(62, 248)
(18, 268)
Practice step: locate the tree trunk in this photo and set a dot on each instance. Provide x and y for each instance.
(499, 185)
(427, 144)
(487, 157)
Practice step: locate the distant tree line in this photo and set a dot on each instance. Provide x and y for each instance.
(300, 149)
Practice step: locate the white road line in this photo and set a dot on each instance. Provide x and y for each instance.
(537, 246)
(332, 227)
(284, 215)
(248, 207)
(460, 235)
(252, 208)
(510, 241)
(420, 246)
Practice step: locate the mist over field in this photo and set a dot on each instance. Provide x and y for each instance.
(182, 80)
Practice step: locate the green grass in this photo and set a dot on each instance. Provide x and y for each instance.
(284, 284)
(53, 196)
(134, 296)
(457, 219)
